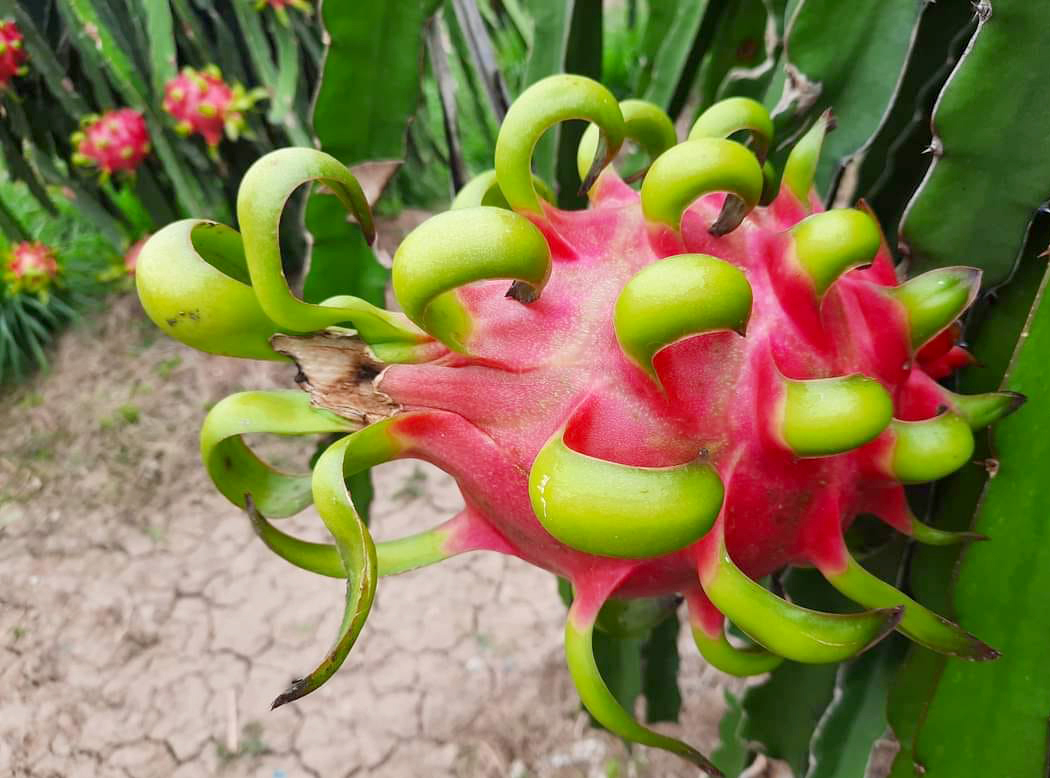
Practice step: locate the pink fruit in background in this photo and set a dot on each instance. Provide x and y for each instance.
(116, 142)
(29, 266)
(203, 104)
(684, 389)
(12, 53)
(281, 7)
(131, 256)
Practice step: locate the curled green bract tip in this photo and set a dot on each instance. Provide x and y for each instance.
(237, 471)
(615, 510)
(695, 168)
(483, 189)
(366, 448)
(674, 298)
(830, 243)
(647, 125)
(786, 629)
(549, 101)
(980, 410)
(831, 415)
(733, 115)
(933, 300)
(801, 166)
(920, 624)
(929, 449)
(261, 198)
(456, 248)
(192, 280)
(596, 697)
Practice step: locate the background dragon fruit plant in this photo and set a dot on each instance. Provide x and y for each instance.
(579, 443)
(940, 136)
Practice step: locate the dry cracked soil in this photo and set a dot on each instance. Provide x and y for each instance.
(144, 630)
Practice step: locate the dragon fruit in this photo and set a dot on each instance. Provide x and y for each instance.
(116, 142)
(30, 267)
(12, 54)
(203, 104)
(280, 7)
(682, 390)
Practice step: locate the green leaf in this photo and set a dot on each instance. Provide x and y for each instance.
(552, 20)
(377, 48)
(996, 325)
(282, 101)
(91, 34)
(856, 76)
(583, 56)
(732, 753)
(995, 172)
(663, 699)
(991, 719)
(740, 42)
(856, 717)
(782, 713)
(160, 29)
(42, 56)
(896, 158)
(620, 663)
(676, 25)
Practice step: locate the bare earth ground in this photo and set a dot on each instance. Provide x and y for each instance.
(144, 630)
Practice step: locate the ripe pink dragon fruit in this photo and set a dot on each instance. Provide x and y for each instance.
(116, 142)
(203, 104)
(31, 267)
(682, 391)
(12, 54)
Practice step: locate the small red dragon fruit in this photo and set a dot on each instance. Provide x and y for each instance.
(681, 392)
(280, 7)
(116, 142)
(30, 267)
(12, 54)
(203, 104)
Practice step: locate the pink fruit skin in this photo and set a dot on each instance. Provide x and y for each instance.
(12, 54)
(31, 266)
(118, 141)
(185, 95)
(556, 362)
(131, 256)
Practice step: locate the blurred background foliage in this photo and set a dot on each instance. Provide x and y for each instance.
(426, 83)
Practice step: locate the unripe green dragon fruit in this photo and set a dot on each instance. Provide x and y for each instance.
(674, 392)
